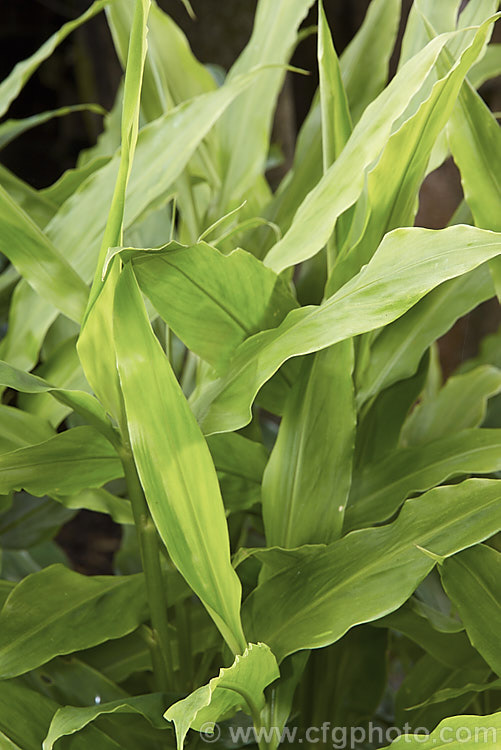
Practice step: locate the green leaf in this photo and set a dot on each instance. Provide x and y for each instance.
(460, 404)
(100, 501)
(393, 184)
(379, 489)
(342, 184)
(30, 521)
(442, 16)
(211, 301)
(451, 649)
(240, 464)
(244, 129)
(22, 72)
(472, 581)
(174, 464)
(11, 129)
(38, 261)
(62, 368)
(95, 343)
(386, 288)
(426, 677)
(307, 480)
(58, 611)
(68, 462)
(311, 604)
(365, 61)
(239, 687)
(489, 66)
(398, 349)
(69, 719)
(19, 429)
(336, 120)
(24, 716)
(446, 694)
(456, 733)
(71, 179)
(81, 402)
(39, 207)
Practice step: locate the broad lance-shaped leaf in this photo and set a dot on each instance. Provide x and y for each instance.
(211, 301)
(244, 129)
(307, 479)
(379, 489)
(342, 184)
(71, 719)
(386, 288)
(397, 351)
(22, 72)
(456, 733)
(78, 226)
(68, 462)
(58, 611)
(236, 688)
(473, 582)
(368, 573)
(83, 403)
(38, 261)
(174, 464)
(460, 404)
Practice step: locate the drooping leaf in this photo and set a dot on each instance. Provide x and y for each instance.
(174, 464)
(313, 603)
(58, 611)
(386, 288)
(460, 404)
(66, 463)
(10, 129)
(379, 489)
(100, 501)
(22, 72)
(18, 429)
(68, 720)
(397, 351)
(239, 687)
(38, 261)
(471, 579)
(83, 403)
(451, 649)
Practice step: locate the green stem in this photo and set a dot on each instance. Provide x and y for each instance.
(150, 556)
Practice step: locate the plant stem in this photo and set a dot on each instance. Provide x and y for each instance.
(161, 651)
